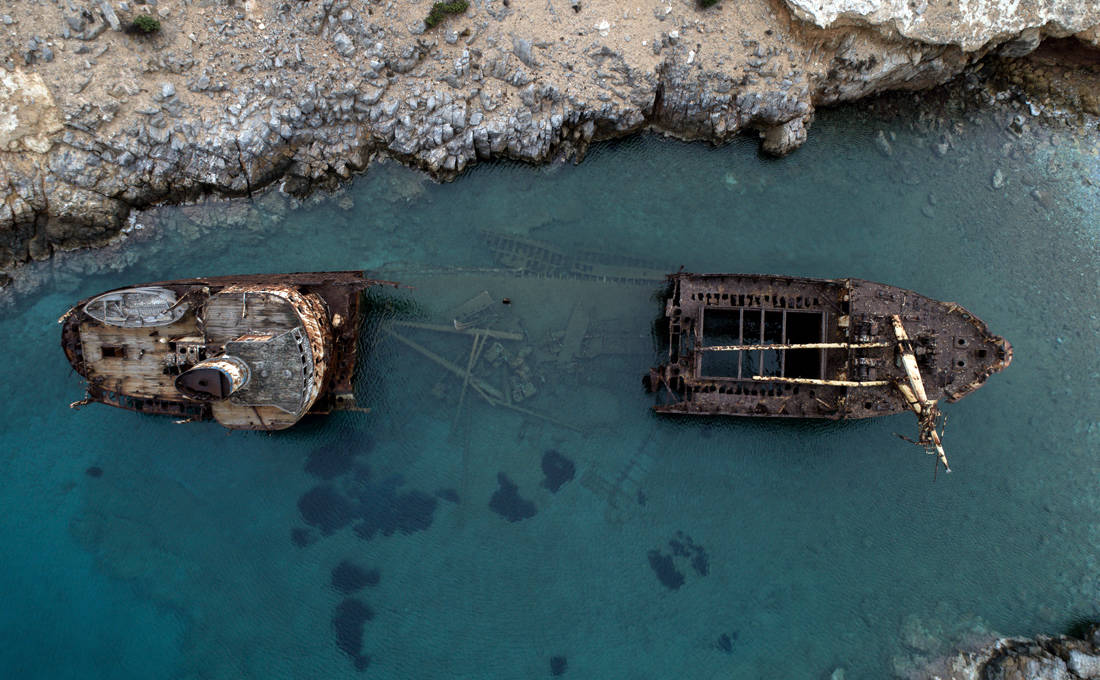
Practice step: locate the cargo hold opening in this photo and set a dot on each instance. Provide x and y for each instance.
(762, 327)
(803, 328)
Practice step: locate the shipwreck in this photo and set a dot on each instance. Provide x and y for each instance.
(788, 347)
(254, 352)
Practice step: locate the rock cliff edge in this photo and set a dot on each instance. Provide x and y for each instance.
(97, 117)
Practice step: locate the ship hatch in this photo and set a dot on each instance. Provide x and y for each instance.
(204, 384)
(113, 351)
(763, 327)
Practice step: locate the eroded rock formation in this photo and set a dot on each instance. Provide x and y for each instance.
(229, 96)
(1042, 658)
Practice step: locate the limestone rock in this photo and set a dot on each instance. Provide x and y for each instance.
(1043, 658)
(109, 14)
(1084, 665)
(883, 144)
(780, 140)
(29, 118)
(969, 25)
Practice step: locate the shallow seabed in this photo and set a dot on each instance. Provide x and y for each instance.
(801, 547)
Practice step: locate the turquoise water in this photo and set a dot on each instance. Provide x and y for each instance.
(802, 547)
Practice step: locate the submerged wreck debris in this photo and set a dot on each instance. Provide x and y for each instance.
(779, 346)
(253, 352)
(622, 490)
(516, 383)
(530, 329)
(539, 258)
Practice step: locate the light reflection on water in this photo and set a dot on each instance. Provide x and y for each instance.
(827, 544)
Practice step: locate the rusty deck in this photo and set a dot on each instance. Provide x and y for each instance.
(777, 346)
(137, 367)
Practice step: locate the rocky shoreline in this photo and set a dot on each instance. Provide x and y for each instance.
(1063, 657)
(228, 97)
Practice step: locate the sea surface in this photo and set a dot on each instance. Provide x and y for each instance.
(573, 532)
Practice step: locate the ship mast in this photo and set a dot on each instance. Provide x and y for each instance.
(916, 397)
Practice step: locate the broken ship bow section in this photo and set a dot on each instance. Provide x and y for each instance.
(760, 345)
(252, 352)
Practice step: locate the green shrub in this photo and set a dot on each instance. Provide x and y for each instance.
(145, 23)
(708, 3)
(440, 10)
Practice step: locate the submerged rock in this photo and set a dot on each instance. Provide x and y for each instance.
(558, 665)
(682, 546)
(449, 495)
(383, 509)
(1062, 657)
(883, 144)
(333, 459)
(328, 461)
(326, 508)
(780, 140)
(348, 577)
(302, 537)
(557, 470)
(348, 623)
(507, 502)
(665, 569)
(725, 642)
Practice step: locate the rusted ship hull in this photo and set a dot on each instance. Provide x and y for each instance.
(775, 346)
(252, 352)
